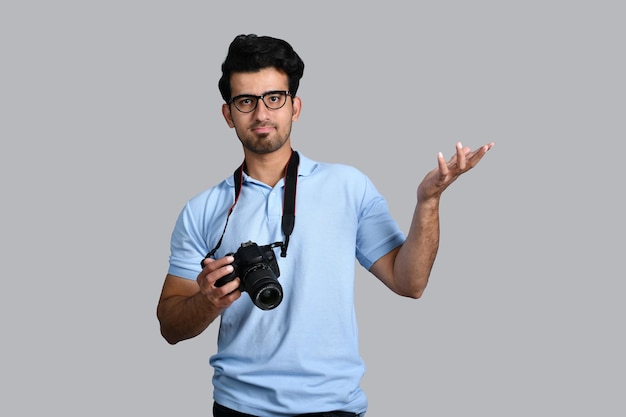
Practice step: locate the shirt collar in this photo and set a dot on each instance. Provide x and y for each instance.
(305, 168)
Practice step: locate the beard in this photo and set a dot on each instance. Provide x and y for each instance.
(264, 143)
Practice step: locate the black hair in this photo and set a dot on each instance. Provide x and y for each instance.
(252, 53)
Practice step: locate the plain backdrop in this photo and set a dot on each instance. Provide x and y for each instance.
(110, 120)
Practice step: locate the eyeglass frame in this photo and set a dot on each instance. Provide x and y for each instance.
(262, 97)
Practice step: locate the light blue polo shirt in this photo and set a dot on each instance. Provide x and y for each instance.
(302, 356)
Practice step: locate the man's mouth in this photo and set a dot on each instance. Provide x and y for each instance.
(260, 130)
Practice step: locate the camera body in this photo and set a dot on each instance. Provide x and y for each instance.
(257, 268)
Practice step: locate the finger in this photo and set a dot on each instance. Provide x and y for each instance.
(214, 292)
(230, 298)
(477, 155)
(217, 263)
(206, 261)
(226, 294)
(460, 156)
(214, 270)
(214, 276)
(443, 165)
(228, 287)
(483, 149)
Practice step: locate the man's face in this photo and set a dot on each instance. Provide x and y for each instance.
(263, 130)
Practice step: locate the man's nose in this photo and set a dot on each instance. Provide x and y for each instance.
(261, 112)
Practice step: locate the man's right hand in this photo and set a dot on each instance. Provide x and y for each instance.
(213, 270)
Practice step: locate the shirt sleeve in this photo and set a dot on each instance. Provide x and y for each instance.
(378, 233)
(187, 246)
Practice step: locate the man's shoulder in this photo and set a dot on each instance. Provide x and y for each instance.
(343, 170)
(216, 191)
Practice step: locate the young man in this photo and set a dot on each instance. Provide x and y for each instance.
(289, 347)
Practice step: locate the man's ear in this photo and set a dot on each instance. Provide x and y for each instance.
(227, 115)
(296, 107)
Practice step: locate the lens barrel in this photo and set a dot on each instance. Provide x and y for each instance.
(263, 286)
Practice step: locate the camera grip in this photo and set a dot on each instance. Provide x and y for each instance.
(225, 280)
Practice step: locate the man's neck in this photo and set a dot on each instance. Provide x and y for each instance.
(268, 168)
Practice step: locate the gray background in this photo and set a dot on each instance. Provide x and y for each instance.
(110, 121)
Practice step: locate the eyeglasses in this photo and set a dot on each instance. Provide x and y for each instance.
(273, 100)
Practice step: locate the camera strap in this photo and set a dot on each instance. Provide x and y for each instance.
(289, 202)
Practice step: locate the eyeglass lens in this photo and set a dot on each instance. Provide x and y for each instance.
(247, 103)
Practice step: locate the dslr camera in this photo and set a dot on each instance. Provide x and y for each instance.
(257, 268)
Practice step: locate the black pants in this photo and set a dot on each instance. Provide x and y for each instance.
(221, 411)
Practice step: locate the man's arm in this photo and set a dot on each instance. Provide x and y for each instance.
(186, 308)
(406, 269)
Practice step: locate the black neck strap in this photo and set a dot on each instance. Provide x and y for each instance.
(289, 201)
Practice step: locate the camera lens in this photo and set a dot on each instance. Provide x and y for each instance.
(264, 289)
(269, 297)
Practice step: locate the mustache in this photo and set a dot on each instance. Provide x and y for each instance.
(263, 124)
